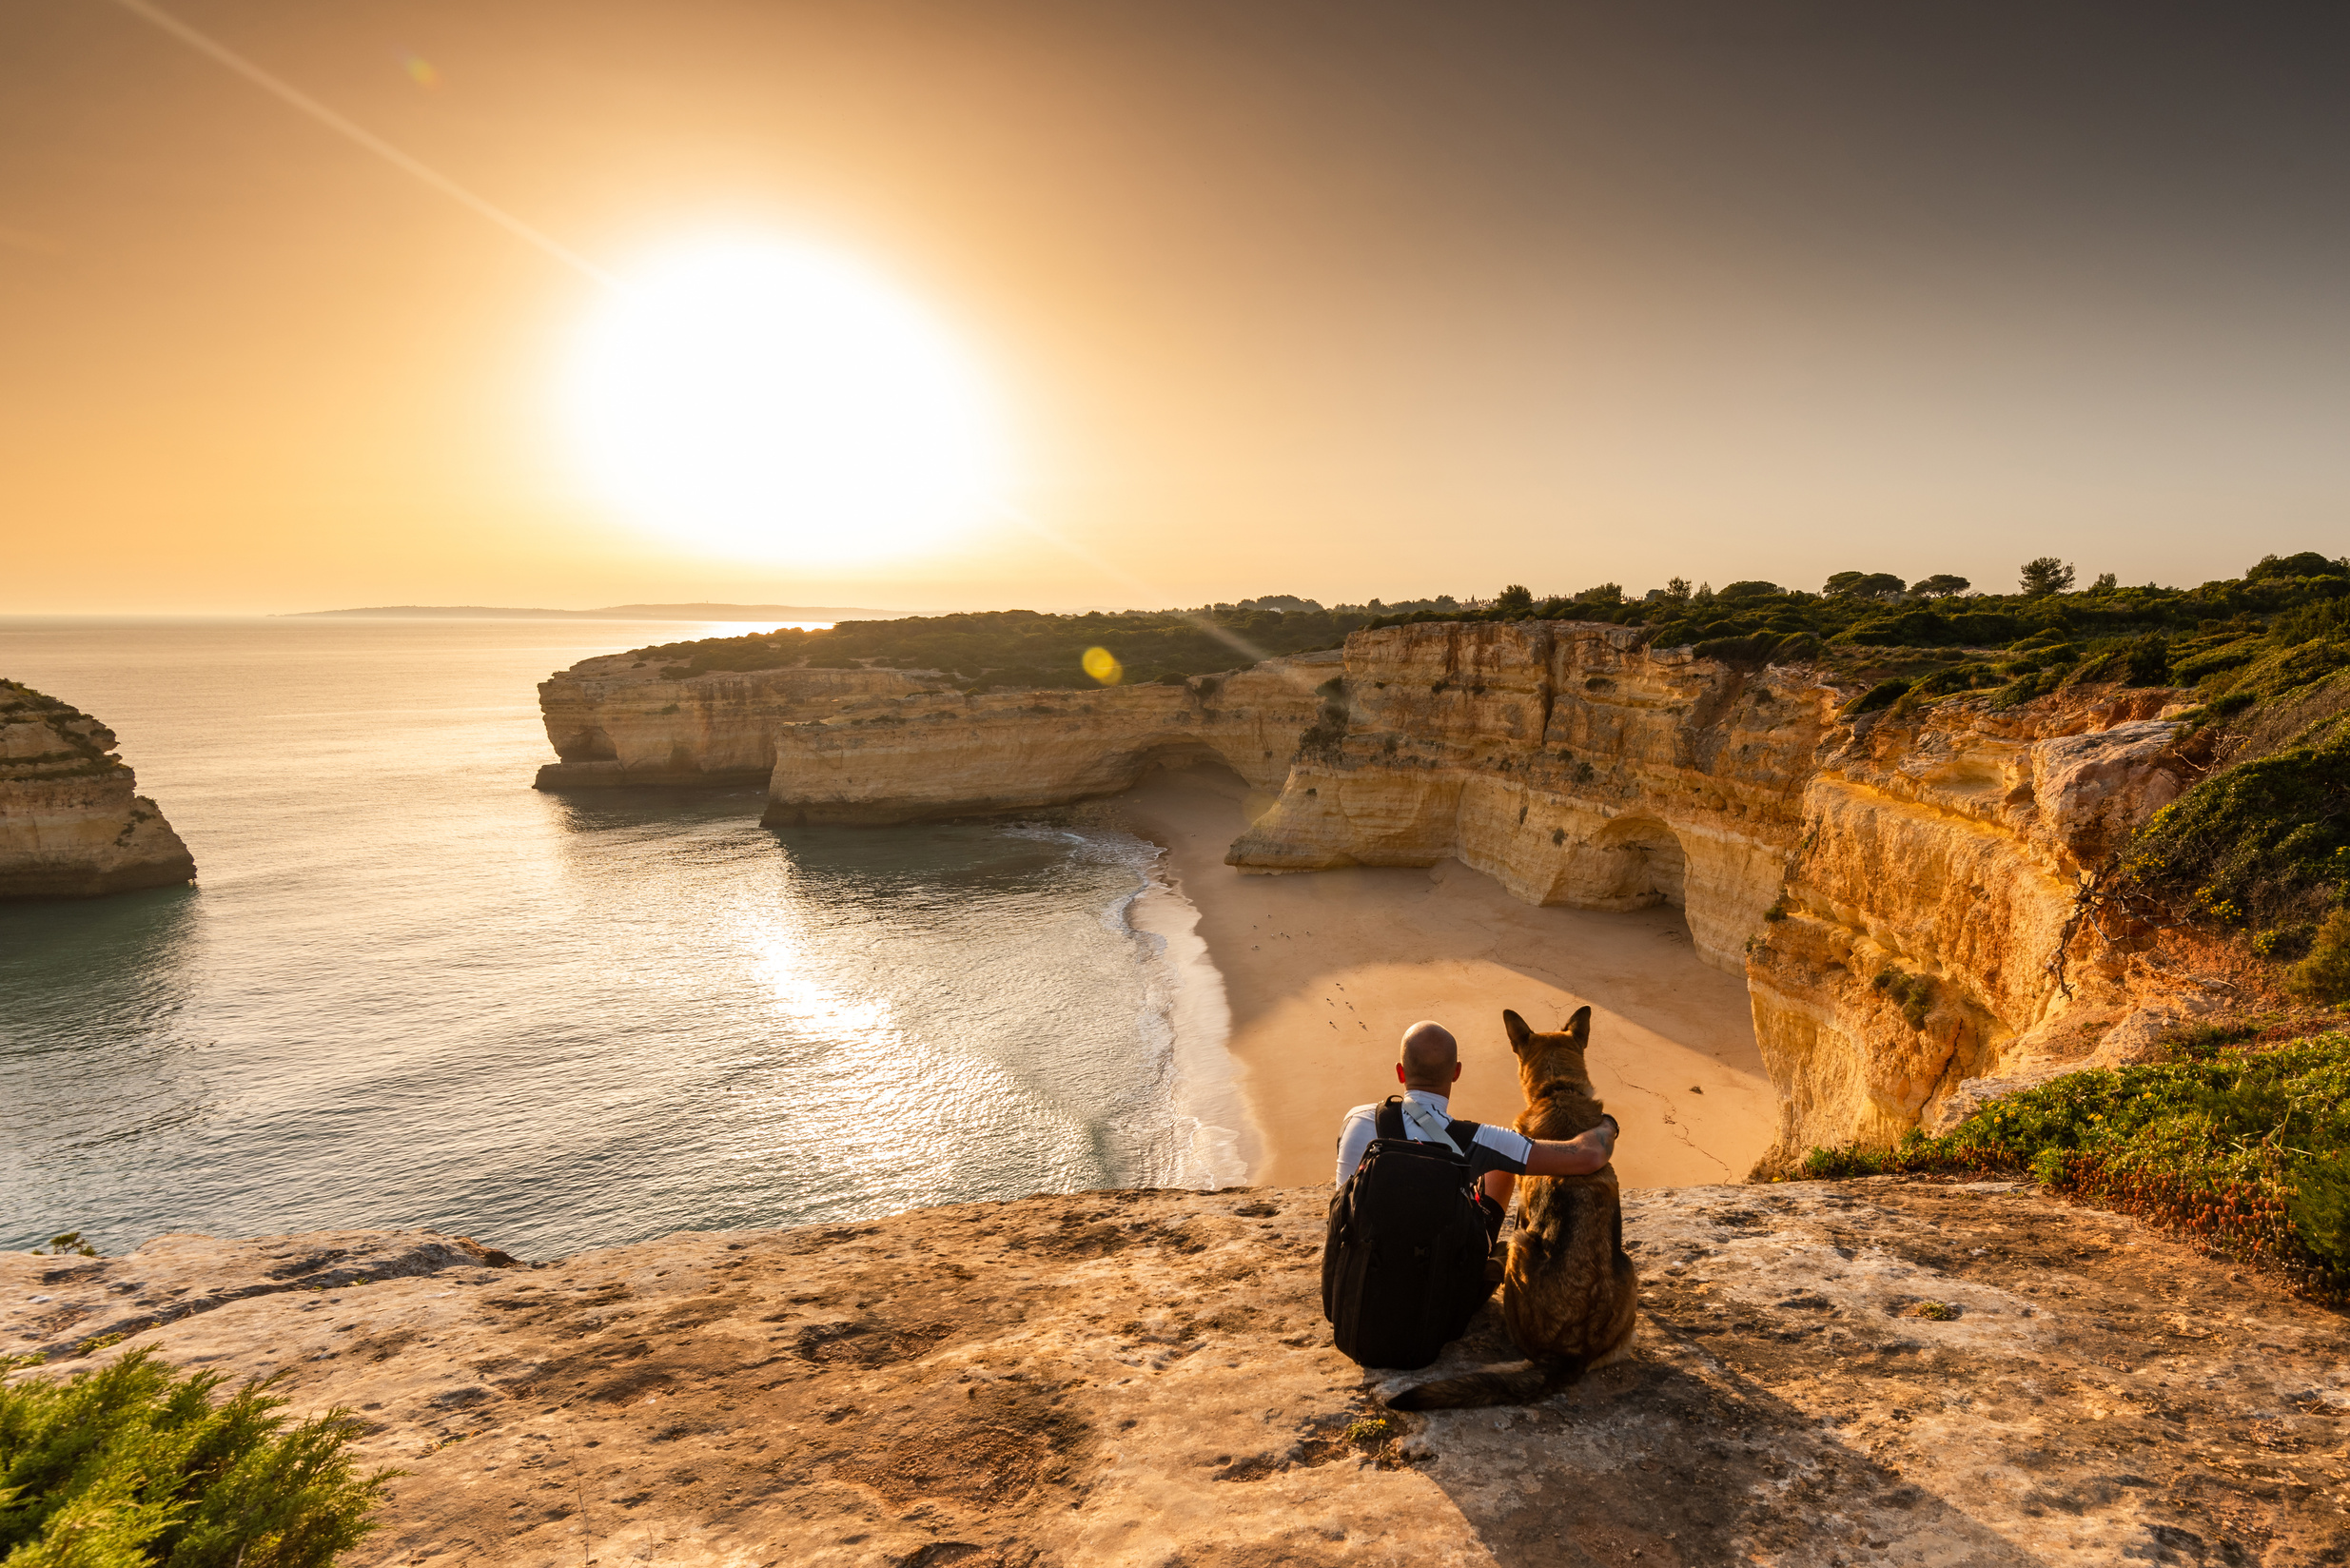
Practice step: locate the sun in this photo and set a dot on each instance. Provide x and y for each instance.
(767, 400)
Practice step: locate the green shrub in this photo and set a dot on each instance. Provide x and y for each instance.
(2243, 1149)
(128, 1465)
(2308, 563)
(2324, 975)
(1957, 677)
(2204, 656)
(1984, 629)
(1882, 694)
(2277, 672)
(2266, 839)
(1912, 993)
(1755, 650)
(2141, 661)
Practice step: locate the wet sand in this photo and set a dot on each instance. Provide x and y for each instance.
(1322, 972)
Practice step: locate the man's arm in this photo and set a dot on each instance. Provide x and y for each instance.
(1578, 1156)
(1355, 1140)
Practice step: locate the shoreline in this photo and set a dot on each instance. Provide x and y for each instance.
(1225, 1142)
(1300, 958)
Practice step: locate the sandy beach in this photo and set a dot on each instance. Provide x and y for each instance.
(1322, 972)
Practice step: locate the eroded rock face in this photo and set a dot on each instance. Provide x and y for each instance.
(946, 754)
(884, 746)
(72, 824)
(1566, 760)
(1900, 892)
(1823, 1374)
(614, 720)
(1813, 852)
(1931, 934)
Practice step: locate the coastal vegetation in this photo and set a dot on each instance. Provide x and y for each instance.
(1025, 649)
(2256, 850)
(2239, 641)
(131, 1464)
(77, 743)
(2239, 1146)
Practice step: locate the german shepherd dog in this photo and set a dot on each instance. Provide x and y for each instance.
(1569, 1293)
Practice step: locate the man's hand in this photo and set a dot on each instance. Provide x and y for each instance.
(1578, 1156)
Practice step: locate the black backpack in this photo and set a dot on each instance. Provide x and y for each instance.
(1404, 1267)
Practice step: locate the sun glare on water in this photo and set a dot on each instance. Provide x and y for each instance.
(765, 401)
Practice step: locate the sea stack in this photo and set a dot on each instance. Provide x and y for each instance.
(71, 823)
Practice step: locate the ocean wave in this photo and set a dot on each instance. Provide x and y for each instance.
(1187, 1113)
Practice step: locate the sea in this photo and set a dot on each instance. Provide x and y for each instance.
(410, 991)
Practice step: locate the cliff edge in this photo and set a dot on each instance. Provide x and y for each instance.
(71, 822)
(1867, 1372)
(1902, 890)
(878, 746)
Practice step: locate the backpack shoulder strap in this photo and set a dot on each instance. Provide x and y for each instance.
(1464, 1134)
(1391, 1118)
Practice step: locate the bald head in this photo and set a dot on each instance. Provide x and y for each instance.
(1430, 1058)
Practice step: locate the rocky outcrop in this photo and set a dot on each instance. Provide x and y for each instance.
(619, 720)
(1933, 941)
(1571, 762)
(1901, 889)
(1824, 1373)
(946, 754)
(881, 746)
(71, 822)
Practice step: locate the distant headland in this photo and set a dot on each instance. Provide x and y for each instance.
(615, 612)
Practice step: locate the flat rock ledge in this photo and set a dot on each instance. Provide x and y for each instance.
(1831, 1373)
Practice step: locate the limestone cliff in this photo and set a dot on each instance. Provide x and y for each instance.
(1900, 888)
(945, 754)
(618, 720)
(1569, 762)
(1898, 891)
(1823, 1374)
(71, 822)
(1932, 935)
(879, 746)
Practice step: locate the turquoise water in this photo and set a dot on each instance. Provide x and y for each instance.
(409, 989)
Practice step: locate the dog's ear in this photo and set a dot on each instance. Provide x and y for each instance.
(1516, 1029)
(1578, 1027)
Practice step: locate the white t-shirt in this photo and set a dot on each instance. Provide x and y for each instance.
(1491, 1149)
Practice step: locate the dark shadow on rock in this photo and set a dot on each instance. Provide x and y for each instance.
(1683, 1463)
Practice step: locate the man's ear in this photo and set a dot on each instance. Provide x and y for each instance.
(1455, 1072)
(1399, 1078)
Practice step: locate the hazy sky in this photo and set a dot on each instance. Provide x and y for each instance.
(1341, 300)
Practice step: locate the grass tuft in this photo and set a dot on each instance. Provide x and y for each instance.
(2246, 1151)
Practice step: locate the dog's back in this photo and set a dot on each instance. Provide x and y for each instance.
(1569, 1293)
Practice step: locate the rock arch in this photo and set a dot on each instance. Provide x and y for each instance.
(1632, 863)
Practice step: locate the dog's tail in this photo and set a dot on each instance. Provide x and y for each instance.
(1527, 1384)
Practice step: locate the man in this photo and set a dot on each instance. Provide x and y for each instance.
(1427, 1067)
(1405, 1264)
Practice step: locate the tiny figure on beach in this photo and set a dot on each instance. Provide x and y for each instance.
(1414, 1245)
